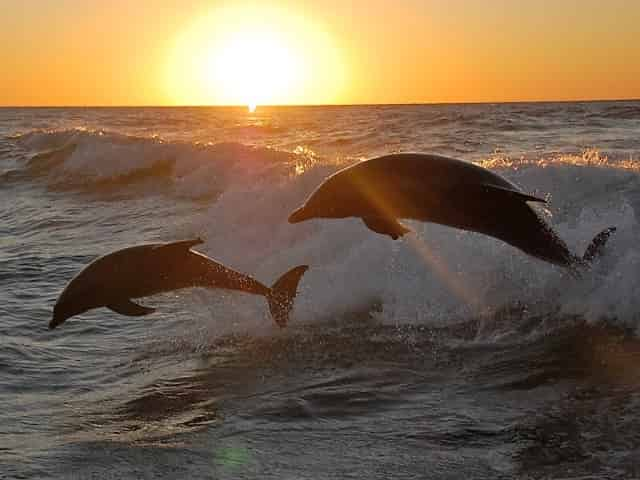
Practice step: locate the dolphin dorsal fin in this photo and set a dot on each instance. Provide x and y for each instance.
(513, 193)
(185, 245)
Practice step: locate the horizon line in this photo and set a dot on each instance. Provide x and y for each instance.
(315, 105)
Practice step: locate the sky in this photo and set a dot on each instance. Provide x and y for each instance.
(207, 52)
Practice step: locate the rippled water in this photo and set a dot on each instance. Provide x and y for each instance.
(448, 355)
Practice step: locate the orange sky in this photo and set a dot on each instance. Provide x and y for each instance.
(158, 52)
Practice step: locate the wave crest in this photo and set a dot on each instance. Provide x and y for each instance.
(440, 274)
(94, 159)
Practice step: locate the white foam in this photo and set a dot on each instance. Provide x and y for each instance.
(461, 273)
(436, 275)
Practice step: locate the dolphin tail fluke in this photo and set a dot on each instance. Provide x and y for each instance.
(282, 294)
(596, 247)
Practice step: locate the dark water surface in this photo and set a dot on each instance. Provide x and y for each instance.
(451, 355)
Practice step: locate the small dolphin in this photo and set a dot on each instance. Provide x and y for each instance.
(441, 190)
(114, 279)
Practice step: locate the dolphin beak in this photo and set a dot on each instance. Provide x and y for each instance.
(300, 215)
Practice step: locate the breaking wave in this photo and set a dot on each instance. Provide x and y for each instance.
(434, 275)
(406, 345)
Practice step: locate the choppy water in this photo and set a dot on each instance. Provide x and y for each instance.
(447, 356)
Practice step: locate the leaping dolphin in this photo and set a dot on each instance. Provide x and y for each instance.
(442, 190)
(114, 279)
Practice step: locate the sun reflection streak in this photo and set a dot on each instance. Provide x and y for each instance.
(384, 205)
(453, 282)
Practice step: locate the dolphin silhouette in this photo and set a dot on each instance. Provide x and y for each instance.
(113, 280)
(442, 190)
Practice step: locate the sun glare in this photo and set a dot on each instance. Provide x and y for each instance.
(254, 68)
(254, 56)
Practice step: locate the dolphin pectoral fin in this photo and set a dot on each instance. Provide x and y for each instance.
(129, 308)
(184, 245)
(512, 193)
(386, 226)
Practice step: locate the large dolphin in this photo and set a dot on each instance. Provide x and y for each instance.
(442, 190)
(114, 279)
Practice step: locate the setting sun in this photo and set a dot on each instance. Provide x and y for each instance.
(253, 56)
(254, 68)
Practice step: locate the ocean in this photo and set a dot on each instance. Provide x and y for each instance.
(447, 355)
